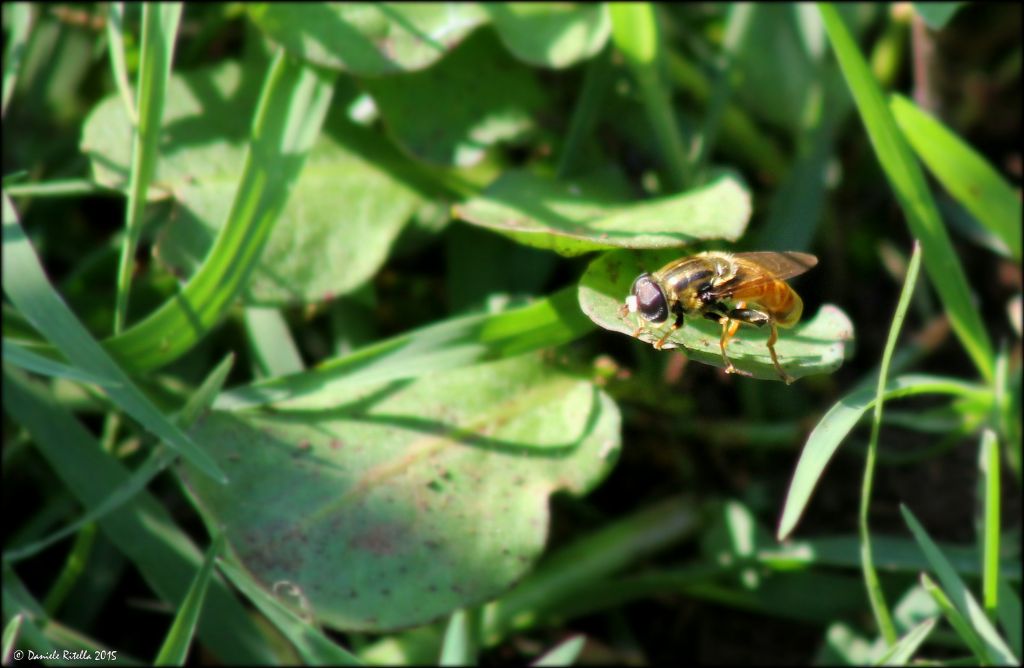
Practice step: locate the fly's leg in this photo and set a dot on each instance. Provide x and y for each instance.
(730, 323)
(775, 359)
(758, 319)
(624, 313)
(676, 324)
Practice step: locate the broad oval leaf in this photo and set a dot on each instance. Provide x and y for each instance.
(577, 216)
(551, 34)
(368, 39)
(411, 499)
(451, 113)
(816, 345)
(350, 188)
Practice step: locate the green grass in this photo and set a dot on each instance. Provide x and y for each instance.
(374, 403)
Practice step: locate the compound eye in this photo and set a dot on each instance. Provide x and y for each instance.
(650, 299)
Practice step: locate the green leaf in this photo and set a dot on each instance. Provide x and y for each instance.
(554, 35)
(432, 493)
(368, 39)
(309, 256)
(963, 172)
(349, 189)
(936, 14)
(993, 647)
(28, 288)
(174, 651)
(817, 345)
(837, 423)
(581, 215)
(911, 190)
(478, 96)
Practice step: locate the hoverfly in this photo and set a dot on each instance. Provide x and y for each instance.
(731, 288)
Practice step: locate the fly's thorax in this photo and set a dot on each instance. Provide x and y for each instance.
(687, 281)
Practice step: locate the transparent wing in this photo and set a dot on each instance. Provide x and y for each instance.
(756, 269)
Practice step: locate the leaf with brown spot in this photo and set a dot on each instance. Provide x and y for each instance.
(356, 520)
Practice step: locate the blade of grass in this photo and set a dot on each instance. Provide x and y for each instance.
(174, 651)
(833, 427)
(758, 148)
(115, 47)
(11, 633)
(1007, 405)
(288, 117)
(908, 183)
(957, 621)
(736, 29)
(575, 567)
(893, 554)
(457, 342)
(883, 617)
(312, 645)
(28, 360)
(140, 478)
(30, 291)
(203, 398)
(1010, 615)
(143, 530)
(903, 651)
(988, 463)
(271, 342)
(596, 82)
(135, 483)
(17, 42)
(994, 647)
(963, 172)
(159, 30)
(43, 633)
(564, 653)
(461, 639)
(60, 188)
(635, 35)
